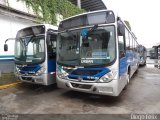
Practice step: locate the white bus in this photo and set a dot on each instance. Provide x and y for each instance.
(96, 53)
(35, 54)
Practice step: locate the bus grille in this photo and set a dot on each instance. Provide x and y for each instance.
(27, 68)
(76, 78)
(75, 85)
(27, 78)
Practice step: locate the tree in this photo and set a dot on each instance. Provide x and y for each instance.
(47, 10)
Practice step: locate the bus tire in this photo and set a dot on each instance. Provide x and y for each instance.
(137, 69)
(128, 80)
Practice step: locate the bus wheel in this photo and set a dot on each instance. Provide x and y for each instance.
(128, 79)
(137, 69)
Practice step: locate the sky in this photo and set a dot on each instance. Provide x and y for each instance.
(144, 18)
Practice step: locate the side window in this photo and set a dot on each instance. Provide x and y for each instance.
(131, 42)
(121, 46)
(134, 45)
(121, 39)
(127, 38)
(51, 44)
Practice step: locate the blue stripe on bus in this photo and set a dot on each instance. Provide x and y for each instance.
(7, 56)
(6, 60)
(123, 66)
(51, 65)
(30, 69)
(125, 62)
(98, 75)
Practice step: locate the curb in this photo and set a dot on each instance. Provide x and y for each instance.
(9, 85)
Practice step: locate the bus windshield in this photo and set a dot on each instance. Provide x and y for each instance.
(30, 50)
(30, 45)
(87, 46)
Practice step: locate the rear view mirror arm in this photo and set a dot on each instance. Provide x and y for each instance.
(5, 45)
(9, 39)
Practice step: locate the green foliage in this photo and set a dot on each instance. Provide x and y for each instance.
(6, 1)
(46, 10)
(128, 24)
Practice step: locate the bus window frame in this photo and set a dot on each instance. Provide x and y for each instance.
(50, 32)
(121, 32)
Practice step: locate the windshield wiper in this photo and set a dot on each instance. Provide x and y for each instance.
(25, 44)
(85, 32)
(30, 39)
(93, 28)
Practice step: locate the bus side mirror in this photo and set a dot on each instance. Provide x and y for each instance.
(5, 47)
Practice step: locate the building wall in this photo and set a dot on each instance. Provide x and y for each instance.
(8, 29)
(9, 26)
(21, 6)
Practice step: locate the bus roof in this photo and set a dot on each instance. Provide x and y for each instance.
(87, 13)
(115, 14)
(48, 26)
(88, 19)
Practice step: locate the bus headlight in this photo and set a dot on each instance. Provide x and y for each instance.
(61, 74)
(40, 71)
(17, 70)
(107, 77)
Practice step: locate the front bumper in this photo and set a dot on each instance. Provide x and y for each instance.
(44, 79)
(94, 88)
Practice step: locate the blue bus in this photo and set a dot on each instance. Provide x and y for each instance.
(96, 53)
(35, 54)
